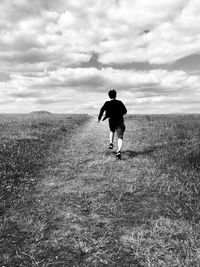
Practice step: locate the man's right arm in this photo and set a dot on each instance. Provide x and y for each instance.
(101, 112)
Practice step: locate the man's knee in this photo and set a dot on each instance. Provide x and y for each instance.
(120, 133)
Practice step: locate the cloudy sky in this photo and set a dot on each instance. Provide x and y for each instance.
(64, 55)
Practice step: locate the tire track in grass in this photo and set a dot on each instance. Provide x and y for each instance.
(90, 193)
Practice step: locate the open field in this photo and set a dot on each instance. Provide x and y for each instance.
(66, 201)
(25, 143)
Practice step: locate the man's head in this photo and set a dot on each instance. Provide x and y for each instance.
(112, 94)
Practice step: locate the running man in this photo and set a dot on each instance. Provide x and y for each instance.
(115, 110)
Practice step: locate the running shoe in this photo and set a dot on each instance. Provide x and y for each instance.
(118, 156)
(111, 146)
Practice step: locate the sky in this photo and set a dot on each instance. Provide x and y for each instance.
(64, 56)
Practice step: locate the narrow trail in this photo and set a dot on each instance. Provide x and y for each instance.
(90, 191)
(85, 164)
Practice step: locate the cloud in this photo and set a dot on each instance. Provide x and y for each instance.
(144, 31)
(96, 80)
(22, 94)
(157, 32)
(52, 51)
(50, 100)
(80, 87)
(4, 77)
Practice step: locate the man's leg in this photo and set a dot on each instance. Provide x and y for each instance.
(111, 137)
(120, 132)
(111, 140)
(112, 131)
(120, 141)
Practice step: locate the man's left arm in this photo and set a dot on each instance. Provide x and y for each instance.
(124, 110)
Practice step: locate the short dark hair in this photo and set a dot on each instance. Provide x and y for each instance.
(112, 94)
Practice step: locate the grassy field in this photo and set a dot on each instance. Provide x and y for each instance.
(25, 144)
(66, 201)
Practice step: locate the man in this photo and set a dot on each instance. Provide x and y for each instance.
(115, 110)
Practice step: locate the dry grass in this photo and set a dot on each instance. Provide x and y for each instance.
(87, 209)
(25, 141)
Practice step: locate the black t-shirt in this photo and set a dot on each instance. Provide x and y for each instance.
(115, 110)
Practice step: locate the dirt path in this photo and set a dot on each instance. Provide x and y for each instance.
(85, 164)
(90, 196)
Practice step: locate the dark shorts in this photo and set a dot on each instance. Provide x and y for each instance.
(118, 127)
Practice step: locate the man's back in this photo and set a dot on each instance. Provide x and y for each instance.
(115, 110)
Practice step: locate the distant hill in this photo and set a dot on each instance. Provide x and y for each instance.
(41, 112)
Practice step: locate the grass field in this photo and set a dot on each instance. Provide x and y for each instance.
(25, 144)
(66, 201)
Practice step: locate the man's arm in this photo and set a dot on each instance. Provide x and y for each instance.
(101, 112)
(124, 110)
